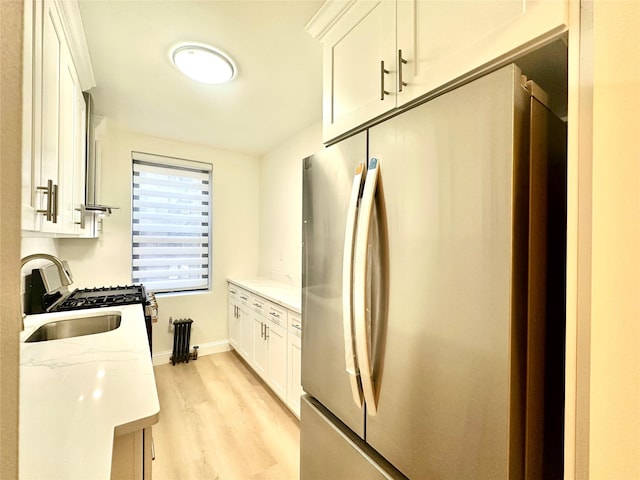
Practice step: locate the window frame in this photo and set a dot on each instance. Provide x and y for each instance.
(172, 164)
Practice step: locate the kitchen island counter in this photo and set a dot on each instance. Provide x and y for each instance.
(76, 394)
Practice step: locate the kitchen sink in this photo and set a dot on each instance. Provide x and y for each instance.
(75, 327)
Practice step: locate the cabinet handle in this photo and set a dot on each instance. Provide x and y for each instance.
(54, 202)
(275, 315)
(266, 332)
(82, 211)
(401, 61)
(383, 71)
(261, 330)
(48, 191)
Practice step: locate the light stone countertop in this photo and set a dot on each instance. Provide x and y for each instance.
(76, 393)
(286, 295)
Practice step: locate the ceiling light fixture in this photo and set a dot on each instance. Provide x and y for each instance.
(203, 63)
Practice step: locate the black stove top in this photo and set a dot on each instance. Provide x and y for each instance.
(102, 297)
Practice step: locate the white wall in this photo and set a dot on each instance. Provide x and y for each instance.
(614, 409)
(107, 260)
(281, 206)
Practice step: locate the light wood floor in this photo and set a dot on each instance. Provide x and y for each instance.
(219, 421)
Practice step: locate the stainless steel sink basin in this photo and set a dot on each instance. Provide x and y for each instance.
(75, 327)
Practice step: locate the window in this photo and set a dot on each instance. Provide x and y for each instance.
(171, 223)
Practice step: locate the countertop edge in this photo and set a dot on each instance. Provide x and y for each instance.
(136, 425)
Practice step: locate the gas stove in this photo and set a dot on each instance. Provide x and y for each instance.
(102, 297)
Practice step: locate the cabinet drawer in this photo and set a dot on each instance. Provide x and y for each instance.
(295, 323)
(276, 314)
(258, 304)
(238, 294)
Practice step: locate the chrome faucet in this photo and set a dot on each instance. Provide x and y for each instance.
(65, 276)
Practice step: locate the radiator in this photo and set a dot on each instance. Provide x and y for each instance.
(181, 337)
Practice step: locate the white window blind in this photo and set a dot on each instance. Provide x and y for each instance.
(171, 226)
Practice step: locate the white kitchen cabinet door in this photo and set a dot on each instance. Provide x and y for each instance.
(246, 345)
(31, 110)
(71, 161)
(52, 45)
(443, 40)
(235, 325)
(260, 357)
(354, 81)
(277, 364)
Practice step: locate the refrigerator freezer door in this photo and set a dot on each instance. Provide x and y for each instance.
(450, 404)
(327, 180)
(343, 455)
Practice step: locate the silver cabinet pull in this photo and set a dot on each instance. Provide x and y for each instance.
(262, 325)
(48, 191)
(383, 72)
(401, 61)
(266, 332)
(82, 211)
(54, 210)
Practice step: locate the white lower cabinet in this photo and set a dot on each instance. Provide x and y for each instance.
(270, 344)
(260, 331)
(240, 322)
(246, 343)
(260, 346)
(277, 355)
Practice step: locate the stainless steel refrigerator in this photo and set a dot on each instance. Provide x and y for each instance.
(433, 292)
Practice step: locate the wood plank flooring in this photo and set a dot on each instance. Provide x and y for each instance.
(218, 420)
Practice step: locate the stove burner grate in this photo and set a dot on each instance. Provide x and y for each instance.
(103, 297)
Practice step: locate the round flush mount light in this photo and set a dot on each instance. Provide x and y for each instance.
(203, 63)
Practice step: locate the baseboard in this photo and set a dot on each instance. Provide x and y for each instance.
(161, 358)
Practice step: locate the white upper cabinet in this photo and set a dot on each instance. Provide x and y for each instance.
(54, 117)
(382, 55)
(359, 67)
(445, 40)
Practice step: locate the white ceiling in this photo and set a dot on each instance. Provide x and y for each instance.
(277, 91)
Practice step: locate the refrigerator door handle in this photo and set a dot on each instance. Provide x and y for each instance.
(347, 286)
(360, 285)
